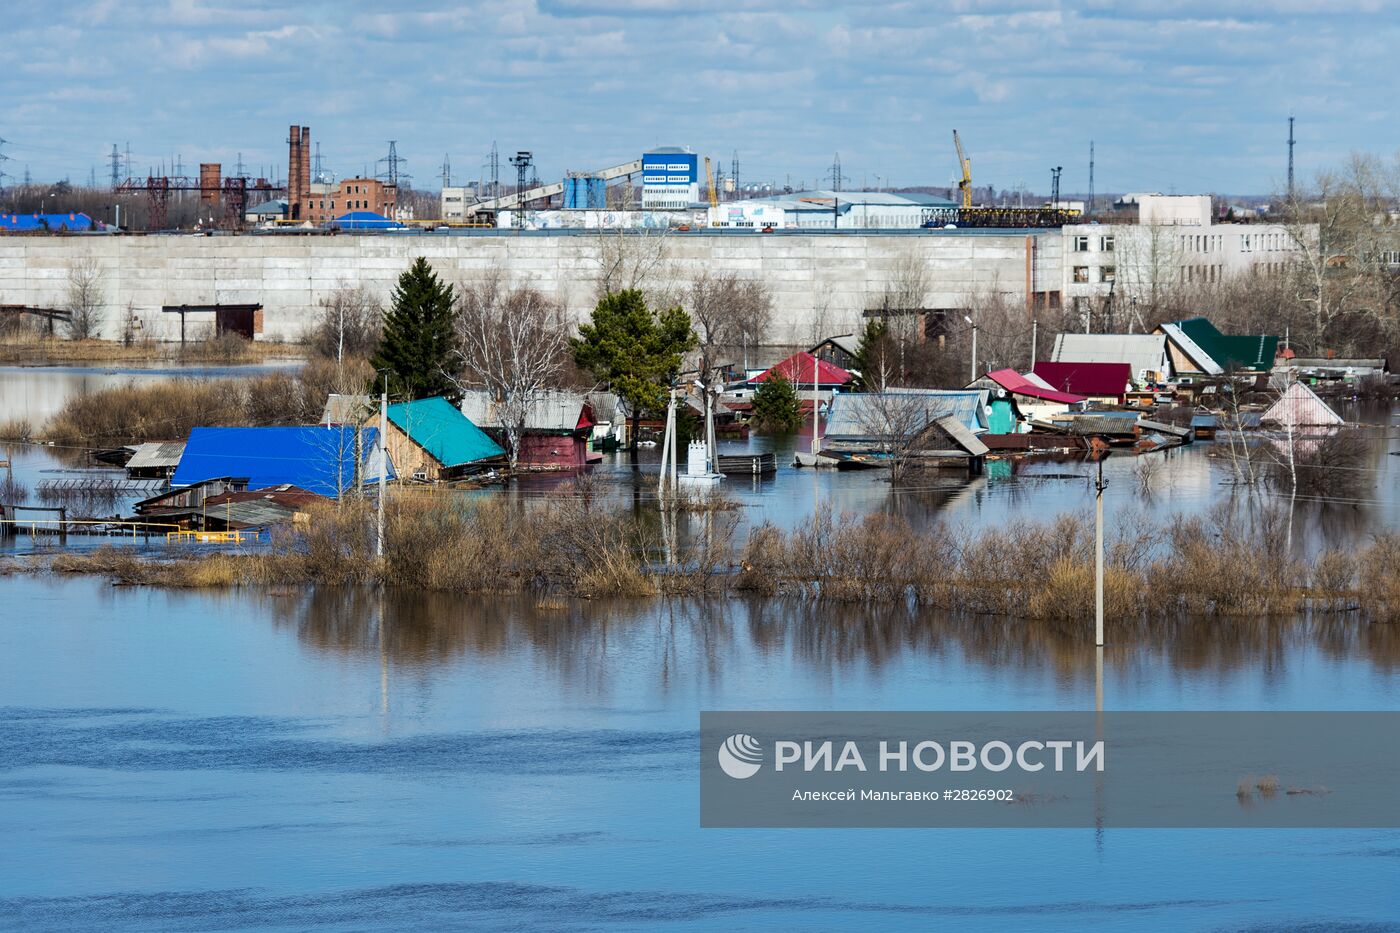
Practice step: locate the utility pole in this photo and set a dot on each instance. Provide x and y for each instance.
(383, 468)
(734, 173)
(495, 171)
(836, 173)
(1290, 157)
(1091, 177)
(446, 170)
(974, 347)
(1035, 339)
(116, 167)
(1099, 486)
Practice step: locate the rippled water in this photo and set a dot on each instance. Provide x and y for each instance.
(330, 760)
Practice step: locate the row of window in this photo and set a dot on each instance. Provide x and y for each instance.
(350, 205)
(1263, 242)
(1085, 273)
(1080, 243)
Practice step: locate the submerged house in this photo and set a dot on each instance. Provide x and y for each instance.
(802, 368)
(259, 508)
(558, 429)
(1299, 406)
(1145, 354)
(840, 351)
(939, 424)
(1197, 347)
(430, 439)
(1016, 398)
(328, 460)
(1105, 383)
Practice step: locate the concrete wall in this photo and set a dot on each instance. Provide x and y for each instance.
(820, 283)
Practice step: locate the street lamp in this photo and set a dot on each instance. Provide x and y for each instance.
(974, 347)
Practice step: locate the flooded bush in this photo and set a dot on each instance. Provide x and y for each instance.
(16, 429)
(1330, 467)
(169, 410)
(1379, 590)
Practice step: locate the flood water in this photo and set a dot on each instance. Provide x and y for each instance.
(294, 759)
(322, 760)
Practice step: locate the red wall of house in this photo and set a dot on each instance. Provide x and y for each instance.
(546, 450)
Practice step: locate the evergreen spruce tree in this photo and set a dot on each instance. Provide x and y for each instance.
(776, 407)
(872, 357)
(419, 336)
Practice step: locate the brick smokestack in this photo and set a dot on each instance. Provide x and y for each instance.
(305, 183)
(294, 193)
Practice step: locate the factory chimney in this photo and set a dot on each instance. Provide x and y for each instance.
(298, 170)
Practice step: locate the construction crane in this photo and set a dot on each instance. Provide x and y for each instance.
(964, 163)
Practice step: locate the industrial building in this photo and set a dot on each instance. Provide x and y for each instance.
(835, 210)
(1175, 242)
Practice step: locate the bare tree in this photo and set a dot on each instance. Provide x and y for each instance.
(348, 324)
(515, 344)
(84, 299)
(1342, 231)
(894, 421)
(730, 314)
(630, 259)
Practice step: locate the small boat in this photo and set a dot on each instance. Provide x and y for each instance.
(646, 443)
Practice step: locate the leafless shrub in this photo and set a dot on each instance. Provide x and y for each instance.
(84, 299)
(16, 429)
(347, 325)
(1329, 467)
(1146, 468)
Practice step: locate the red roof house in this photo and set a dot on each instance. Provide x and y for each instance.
(1098, 381)
(799, 368)
(1017, 384)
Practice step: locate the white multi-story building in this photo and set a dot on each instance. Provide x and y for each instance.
(1174, 244)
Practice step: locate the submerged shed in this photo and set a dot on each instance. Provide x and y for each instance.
(156, 459)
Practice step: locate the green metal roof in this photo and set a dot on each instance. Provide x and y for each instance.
(438, 427)
(1247, 352)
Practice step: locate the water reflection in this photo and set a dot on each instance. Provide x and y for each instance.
(685, 639)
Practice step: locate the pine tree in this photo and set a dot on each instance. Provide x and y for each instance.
(871, 362)
(634, 349)
(419, 335)
(776, 407)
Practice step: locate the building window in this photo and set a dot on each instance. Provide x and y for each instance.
(1110, 273)
(1106, 244)
(1081, 244)
(1081, 273)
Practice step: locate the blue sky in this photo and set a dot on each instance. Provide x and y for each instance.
(1187, 96)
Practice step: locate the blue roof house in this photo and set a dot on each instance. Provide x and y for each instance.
(431, 439)
(319, 458)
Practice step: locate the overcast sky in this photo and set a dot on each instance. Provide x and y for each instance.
(1179, 95)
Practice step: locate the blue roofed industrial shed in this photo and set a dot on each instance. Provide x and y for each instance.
(320, 458)
(431, 439)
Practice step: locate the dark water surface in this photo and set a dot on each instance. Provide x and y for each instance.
(295, 760)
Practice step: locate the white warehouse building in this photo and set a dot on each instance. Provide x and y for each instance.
(836, 210)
